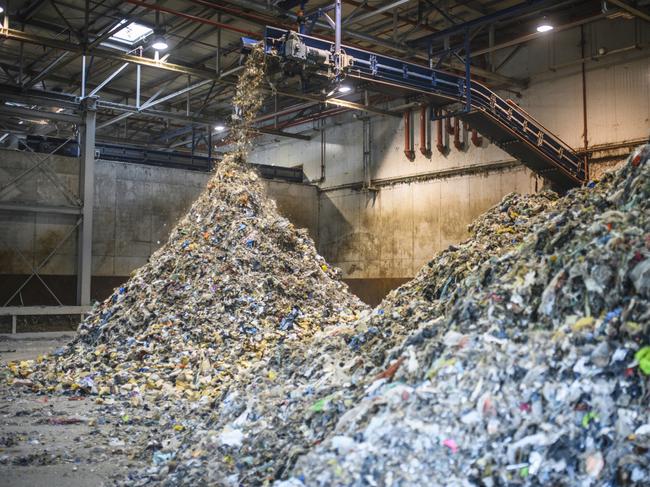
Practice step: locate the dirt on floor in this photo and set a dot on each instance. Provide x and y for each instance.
(54, 440)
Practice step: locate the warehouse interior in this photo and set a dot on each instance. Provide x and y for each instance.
(315, 193)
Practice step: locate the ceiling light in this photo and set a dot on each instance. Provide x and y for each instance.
(219, 128)
(159, 43)
(2, 9)
(345, 89)
(544, 26)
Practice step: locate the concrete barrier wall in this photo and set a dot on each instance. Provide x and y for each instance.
(135, 208)
(391, 233)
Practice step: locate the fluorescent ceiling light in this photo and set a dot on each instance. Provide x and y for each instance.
(131, 32)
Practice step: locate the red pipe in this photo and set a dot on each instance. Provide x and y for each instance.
(449, 126)
(457, 143)
(263, 19)
(425, 148)
(194, 18)
(440, 145)
(409, 151)
(476, 140)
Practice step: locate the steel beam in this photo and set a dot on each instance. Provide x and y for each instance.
(37, 97)
(182, 91)
(629, 8)
(37, 114)
(46, 70)
(110, 78)
(42, 310)
(60, 210)
(535, 35)
(194, 18)
(380, 10)
(486, 19)
(87, 193)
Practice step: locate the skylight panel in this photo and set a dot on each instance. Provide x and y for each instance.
(131, 32)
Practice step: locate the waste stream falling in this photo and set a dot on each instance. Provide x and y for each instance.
(518, 357)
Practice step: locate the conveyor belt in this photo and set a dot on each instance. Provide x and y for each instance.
(503, 122)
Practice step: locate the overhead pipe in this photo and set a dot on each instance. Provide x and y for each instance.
(457, 143)
(409, 150)
(194, 18)
(378, 10)
(448, 125)
(425, 142)
(476, 139)
(440, 143)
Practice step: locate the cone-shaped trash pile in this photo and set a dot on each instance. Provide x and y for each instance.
(234, 280)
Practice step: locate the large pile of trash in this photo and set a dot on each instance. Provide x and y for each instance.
(450, 369)
(536, 372)
(255, 436)
(444, 279)
(520, 356)
(214, 305)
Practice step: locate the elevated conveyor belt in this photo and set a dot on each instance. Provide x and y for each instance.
(502, 121)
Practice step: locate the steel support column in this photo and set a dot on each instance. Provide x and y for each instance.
(87, 195)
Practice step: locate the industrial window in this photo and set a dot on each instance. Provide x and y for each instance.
(131, 32)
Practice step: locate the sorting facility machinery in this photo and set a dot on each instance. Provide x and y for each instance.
(502, 121)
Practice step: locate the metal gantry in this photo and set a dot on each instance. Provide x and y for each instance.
(503, 121)
(79, 207)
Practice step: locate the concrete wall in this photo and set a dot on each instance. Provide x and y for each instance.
(395, 231)
(135, 208)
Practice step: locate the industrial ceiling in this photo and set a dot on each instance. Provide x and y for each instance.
(54, 52)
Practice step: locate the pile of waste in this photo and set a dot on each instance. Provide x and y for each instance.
(518, 357)
(443, 280)
(257, 436)
(213, 306)
(482, 381)
(254, 436)
(536, 372)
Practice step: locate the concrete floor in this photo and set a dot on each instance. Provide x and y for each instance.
(35, 451)
(24, 346)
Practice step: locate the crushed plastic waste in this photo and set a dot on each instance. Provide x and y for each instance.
(461, 377)
(535, 369)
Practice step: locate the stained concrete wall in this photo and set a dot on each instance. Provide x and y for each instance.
(135, 207)
(391, 233)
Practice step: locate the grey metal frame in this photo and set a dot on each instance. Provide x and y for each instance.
(81, 206)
